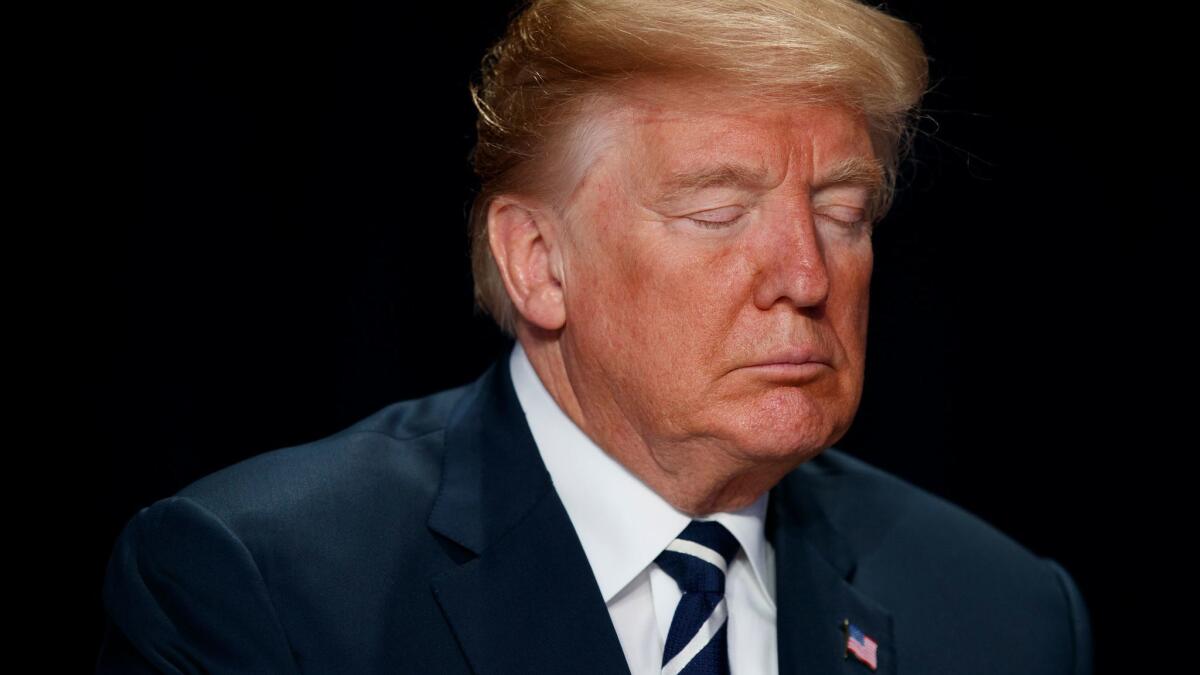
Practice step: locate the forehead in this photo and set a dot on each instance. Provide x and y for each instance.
(664, 142)
(668, 140)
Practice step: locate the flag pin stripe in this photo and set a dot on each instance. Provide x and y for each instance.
(860, 644)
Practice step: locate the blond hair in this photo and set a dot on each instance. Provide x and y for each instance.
(541, 82)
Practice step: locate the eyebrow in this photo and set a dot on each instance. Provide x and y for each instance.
(721, 175)
(863, 171)
(857, 170)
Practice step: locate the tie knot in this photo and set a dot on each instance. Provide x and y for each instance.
(698, 557)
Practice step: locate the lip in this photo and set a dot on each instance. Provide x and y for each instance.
(795, 356)
(792, 363)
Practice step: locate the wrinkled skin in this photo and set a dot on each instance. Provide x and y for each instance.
(682, 313)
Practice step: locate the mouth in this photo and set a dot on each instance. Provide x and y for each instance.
(799, 363)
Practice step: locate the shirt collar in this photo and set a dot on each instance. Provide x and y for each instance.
(621, 522)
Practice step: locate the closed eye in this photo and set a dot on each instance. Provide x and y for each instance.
(847, 223)
(853, 219)
(717, 218)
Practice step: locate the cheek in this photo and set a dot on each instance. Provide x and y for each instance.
(851, 298)
(680, 293)
(639, 282)
(611, 288)
(626, 268)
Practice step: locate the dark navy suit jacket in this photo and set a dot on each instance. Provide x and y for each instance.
(428, 538)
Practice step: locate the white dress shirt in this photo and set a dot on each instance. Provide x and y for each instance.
(623, 526)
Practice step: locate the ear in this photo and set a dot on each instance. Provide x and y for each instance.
(521, 235)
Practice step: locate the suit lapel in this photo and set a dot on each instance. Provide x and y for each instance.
(525, 599)
(527, 602)
(814, 596)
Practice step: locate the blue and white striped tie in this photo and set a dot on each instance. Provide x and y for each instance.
(697, 560)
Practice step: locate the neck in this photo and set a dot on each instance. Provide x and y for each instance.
(698, 476)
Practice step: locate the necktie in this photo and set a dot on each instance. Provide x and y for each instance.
(697, 560)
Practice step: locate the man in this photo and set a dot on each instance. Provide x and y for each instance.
(675, 224)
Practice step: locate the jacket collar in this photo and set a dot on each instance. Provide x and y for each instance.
(525, 599)
(815, 566)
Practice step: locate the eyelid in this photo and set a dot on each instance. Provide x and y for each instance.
(725, 215)
(856, 223)
(847, 213)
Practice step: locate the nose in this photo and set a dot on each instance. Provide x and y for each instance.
(792, 265)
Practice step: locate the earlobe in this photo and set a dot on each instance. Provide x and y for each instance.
(521, 237)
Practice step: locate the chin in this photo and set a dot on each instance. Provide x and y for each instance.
(788, 425)
(783, 447)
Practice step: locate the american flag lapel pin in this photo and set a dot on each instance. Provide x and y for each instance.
(859, 644)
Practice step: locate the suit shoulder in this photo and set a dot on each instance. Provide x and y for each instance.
(930, 561)
(871, 506)
(280, 547)
(392, 457)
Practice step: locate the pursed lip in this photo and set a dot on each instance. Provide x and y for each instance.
(793, 356)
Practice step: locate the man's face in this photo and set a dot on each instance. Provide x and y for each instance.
(716, 279)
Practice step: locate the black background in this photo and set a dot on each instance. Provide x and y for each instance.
(284, 252)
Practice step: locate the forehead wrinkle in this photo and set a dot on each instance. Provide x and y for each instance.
(667, 170)
(677, 162)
